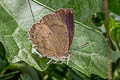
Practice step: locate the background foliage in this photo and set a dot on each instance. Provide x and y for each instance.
(17, 60)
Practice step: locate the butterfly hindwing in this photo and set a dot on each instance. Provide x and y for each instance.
(60, 32)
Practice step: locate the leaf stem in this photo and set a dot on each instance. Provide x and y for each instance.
(107, 27)
(31, 10)
(9, 75)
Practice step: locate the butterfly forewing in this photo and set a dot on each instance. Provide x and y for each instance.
(67, 16)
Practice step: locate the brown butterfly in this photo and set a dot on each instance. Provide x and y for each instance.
(53, 35)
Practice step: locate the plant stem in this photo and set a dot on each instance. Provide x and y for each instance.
(106, 10)
(9, 75)
(31, 10)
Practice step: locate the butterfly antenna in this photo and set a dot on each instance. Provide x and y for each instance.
(31, 10)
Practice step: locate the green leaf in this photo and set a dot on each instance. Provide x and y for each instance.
(29, 73)
(14, 32)
(91, 59)
(83, 9)
(115, 33)
(3, 62)
(114, 6)
(41, 62)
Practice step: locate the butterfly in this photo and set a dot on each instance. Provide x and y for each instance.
(53, 35)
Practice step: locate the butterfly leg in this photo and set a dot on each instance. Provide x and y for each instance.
(50, 61)
(68, 58)
(63, 59)
(56, 61)
(44, 56)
